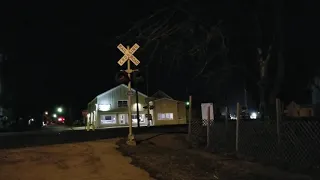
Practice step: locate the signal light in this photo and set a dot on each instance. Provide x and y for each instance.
(187, 104)
(137, 77)
(122, 77)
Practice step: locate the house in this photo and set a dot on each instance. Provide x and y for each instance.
(111, 109)
(296, 110)
(167, 111)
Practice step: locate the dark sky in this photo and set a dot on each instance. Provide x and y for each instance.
(57, 52)
(60, 53)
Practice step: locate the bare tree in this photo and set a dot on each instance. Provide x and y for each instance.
(263, 66)
(266, 82)
(182, 37)
(178, 36)
(279, 44)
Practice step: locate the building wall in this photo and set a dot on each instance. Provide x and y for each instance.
(182, 112)
(295, 110)
(118, 115)
(166, 106)
(92, 105)
(117, 94)
(305, 112)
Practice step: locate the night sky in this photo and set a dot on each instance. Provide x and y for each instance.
(60, 53)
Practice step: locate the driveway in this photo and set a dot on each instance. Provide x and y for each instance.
(79, 161)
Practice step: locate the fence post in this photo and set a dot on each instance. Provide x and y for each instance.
(227, 117)
(278, 111)
(208, 127)
(226, 125)
(190, 118)
(237, 127)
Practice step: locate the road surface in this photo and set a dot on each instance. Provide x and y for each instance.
(61, 135)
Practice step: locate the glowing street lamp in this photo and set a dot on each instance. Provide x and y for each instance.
(46, 113)
(59, 110)
(54, 115)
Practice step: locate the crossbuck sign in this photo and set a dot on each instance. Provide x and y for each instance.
(128, 54)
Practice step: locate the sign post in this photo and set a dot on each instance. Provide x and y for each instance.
(208, 117)
(127, 57)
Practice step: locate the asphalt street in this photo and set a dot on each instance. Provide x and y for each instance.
(60, 135)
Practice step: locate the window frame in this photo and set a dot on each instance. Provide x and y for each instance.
(122, 103)
(113, 119)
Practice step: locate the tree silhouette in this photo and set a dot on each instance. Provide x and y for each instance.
(195, 39)
(185, 38)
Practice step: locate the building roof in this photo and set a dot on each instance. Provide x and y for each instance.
(121, 85)
(159, 99)
(299, 105)
(160, 94)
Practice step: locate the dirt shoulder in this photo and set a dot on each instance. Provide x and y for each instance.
(78, 161)
(168, 157)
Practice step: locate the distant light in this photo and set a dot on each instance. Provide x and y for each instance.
(253, 115)
(61, 119)
(60, 110)
(187, 103)
(46, 113)
(54, 115)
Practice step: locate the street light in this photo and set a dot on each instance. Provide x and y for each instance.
(54, 115)
(46, 113)
(60, 110)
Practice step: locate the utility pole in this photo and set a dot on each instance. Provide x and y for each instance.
(2, 56)
(131, 139)
(137, 103)
(245, 98)
(147, 79)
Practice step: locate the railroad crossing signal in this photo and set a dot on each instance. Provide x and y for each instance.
(125, 77)
(128, 54)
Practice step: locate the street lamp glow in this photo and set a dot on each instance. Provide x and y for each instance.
(253, 115)
(187, 103)
(59, 110)
(54, 115)
(46, 113)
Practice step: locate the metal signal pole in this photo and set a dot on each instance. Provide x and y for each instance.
(137, 104)
(131, 139)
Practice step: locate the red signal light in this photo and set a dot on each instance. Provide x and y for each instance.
(122, 77)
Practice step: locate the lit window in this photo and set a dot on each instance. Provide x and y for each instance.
(135, 119)
(108, 119)
(165, 116)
